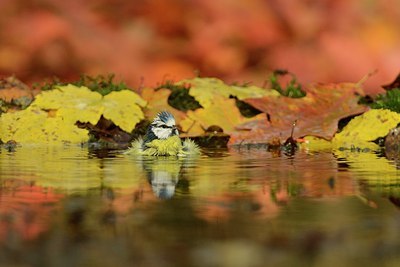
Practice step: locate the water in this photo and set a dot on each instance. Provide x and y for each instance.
(71, 206)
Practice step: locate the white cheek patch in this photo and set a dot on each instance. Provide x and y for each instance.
(162, 133)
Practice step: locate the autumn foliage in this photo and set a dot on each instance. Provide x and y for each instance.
(161, 49)
(149, 41)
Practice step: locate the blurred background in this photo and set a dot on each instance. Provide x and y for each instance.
(146, 42)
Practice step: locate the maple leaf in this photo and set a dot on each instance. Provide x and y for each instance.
(124, 108)
(53, 115)
(204, 90)
(81, 104)
(71, 102)
(35, 126)
(318, 113)
(223, 112)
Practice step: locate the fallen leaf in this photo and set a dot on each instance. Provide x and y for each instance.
(318, 113)
(72, 103)
(124, 108)
(223, 112)
(81, 104)
(31, 126)
(363, 129)
(204, 90)
(312, 143)
(157, 101)
(52, 117)
(11, 88)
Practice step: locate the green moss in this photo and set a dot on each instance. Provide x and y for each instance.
(292, 89)
(103, 84)
(3, 106)
(48, 85)
(390, 100)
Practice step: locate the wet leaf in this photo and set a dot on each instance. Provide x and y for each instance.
(363, 129)
(318, 113)
(35, 126)
(313, 143)
(53, 115)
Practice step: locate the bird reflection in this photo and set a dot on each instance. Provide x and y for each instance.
(163, 174)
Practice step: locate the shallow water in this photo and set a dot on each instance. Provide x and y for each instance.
(73, 206)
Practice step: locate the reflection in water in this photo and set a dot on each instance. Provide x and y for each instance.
(66, 206)
(163, 175)
(25, 209)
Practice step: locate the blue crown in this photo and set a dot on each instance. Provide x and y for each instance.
(164, 116)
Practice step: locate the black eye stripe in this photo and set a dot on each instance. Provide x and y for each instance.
(163, 126)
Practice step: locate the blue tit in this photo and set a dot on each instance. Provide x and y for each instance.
(162, 139)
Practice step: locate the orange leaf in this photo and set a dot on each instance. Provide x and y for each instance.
(12, 88)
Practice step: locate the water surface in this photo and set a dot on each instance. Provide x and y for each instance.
(74, 206)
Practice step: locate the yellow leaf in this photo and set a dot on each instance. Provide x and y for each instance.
(68, 105)
(204, 90)
(363, 129)
(34, 126)
(72, 103)
(223, 112)
(251, 92)
(313, 143)
(124, 109)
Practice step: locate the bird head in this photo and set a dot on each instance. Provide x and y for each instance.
(162, 127)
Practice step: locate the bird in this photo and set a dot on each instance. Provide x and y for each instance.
(162, 139)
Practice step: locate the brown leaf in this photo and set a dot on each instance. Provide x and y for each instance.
(317, 114)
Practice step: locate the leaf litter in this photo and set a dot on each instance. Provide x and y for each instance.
(72, 113)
